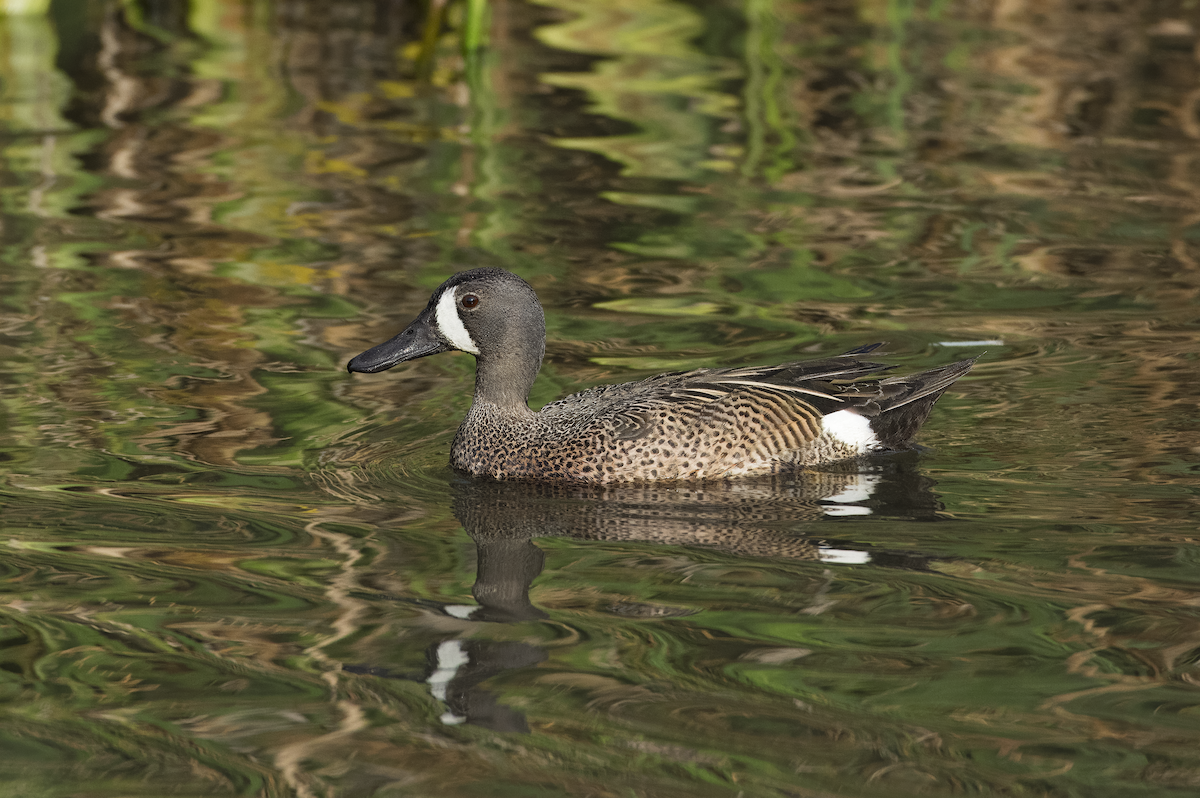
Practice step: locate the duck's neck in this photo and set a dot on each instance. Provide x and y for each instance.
(504, 380)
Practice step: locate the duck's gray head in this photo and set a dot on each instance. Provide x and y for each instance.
(491, 313)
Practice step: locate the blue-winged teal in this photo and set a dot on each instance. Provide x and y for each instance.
(701, 424)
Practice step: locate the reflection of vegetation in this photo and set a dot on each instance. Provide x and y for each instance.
(226, 558)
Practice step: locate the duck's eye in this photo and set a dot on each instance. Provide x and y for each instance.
(469, 300)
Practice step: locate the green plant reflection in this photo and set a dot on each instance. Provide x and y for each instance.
(230, 568)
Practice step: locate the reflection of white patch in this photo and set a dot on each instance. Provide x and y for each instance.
(842, 556)
(450, 325)
(460, 610)
(450, 657)
(852, 429)
(859, 490)
(846, 509)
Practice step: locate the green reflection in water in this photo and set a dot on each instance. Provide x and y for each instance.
(232, 569)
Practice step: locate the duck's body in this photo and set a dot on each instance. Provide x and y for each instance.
(695, 425)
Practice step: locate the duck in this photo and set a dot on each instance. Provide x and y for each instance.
(697, 425)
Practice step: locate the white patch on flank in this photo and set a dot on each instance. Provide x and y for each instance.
(852, 429)
(450, 325)
(842, 556)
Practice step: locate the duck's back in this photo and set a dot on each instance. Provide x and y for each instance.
(704, 424)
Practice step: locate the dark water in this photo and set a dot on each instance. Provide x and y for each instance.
(233, 569)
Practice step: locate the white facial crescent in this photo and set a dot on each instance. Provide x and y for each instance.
(450, 325)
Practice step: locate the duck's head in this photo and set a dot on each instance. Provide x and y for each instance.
(491, 313)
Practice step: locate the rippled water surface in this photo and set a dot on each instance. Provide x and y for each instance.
(231, 568)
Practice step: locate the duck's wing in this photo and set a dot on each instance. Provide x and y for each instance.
(821, 380)
(810, 389)
(819, 383)
(796, 395)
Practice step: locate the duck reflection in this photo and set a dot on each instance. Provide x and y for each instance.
(752, 518)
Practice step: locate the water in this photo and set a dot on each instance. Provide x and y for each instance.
(233, 569)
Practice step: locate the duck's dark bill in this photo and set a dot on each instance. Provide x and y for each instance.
(418, 340)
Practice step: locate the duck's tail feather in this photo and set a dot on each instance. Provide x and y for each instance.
(906, 401)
